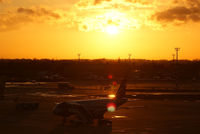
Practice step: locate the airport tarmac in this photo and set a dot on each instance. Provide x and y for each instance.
(144, 113)
(134, 117)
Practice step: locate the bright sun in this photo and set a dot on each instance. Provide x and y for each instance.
(112, 29)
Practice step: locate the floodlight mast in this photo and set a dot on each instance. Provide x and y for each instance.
(177, 50)
(173, 55)
(79, 56)
(129, 57)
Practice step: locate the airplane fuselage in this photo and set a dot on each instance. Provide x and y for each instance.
(96, 107)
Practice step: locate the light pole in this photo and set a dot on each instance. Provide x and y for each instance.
(79, 56)
(129, 56)
(177, 49)
(173, 55)
(177, 74)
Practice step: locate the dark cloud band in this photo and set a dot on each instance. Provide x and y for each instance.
(38, 12)
(189, 12)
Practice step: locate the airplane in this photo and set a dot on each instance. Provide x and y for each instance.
(87, 111)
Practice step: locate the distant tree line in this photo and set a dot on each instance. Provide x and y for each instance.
(62, 70)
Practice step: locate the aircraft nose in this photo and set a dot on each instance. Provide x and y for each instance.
(56, 110)
(61, 109)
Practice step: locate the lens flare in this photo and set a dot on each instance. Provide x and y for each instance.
(111, 107)
(110, 76)
(114, 83)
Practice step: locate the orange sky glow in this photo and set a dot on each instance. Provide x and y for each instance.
(60, 29)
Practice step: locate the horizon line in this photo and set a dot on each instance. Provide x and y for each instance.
(84, 59)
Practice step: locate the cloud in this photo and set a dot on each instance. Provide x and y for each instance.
(193, 3)
(130, 1)
(190, 11)
(99, 1)
(12, 21)
(4, 1)
(84, 15)
(96, 15)
(38, 12)
(22, 16)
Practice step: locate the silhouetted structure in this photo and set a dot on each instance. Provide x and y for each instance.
(79, 56)
(173, 55)
(2, 88)
(129, 57)
(177, 49)
(20, 70)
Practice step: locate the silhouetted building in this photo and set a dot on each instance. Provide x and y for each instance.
(2, 88)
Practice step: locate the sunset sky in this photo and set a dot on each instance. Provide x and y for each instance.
(60, 29)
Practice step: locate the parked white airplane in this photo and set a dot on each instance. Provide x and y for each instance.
(87, 111)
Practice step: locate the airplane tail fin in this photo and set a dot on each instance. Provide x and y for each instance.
(120, 95)
(121, 92)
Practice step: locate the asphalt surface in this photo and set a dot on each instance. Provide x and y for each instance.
(134, 117)
(144, 113)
